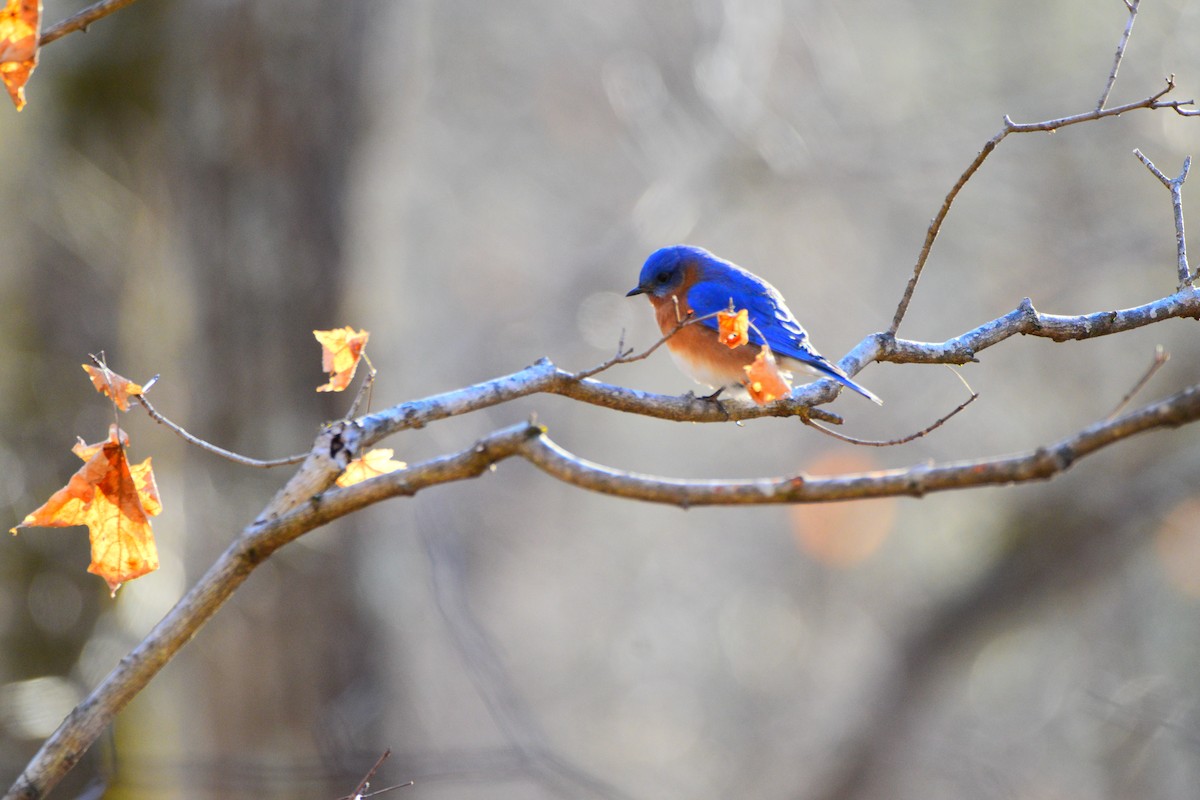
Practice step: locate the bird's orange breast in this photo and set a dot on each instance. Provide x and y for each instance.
(697, 348)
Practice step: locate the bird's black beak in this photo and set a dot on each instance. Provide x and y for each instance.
(635, 290)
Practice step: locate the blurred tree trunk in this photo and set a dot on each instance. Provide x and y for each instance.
(261, 104)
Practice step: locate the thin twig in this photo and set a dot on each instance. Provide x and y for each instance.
(1132, 7)
(891, 442)
(362, 398)
(362, 791)
(624, 356)
(1175, 187)
(99, 361)
(1161, 357)
(80, 21)
(384, 790)
(1155, 171)
(1153, 102)
(935, 226)
(365, 783)
(212, 448)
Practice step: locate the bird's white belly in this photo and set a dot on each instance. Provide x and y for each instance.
(700, 371)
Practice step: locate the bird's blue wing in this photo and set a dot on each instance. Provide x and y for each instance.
(770, 317)
(771, 320)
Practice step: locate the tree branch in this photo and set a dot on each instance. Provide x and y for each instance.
(841, 437)
(915, 481)
(1154, 101)
(1161, 357)
(544, 377)
(212, 448)
(1132, 7)
(1175, 187)
(258, 541)
(81, 20)
(1027, 320)
(255, 544)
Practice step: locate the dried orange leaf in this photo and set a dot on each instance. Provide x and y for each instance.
(86, 451)
(20, 27)
(764, 380)
(733, 328)
(119, 388)
(341, 349)
(147, 490)
(374, 463)
(115, 501)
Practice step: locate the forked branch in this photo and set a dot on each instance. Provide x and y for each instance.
(1175, 187)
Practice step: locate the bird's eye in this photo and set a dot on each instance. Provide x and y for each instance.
(663, 277)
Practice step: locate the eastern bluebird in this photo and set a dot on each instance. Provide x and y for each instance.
(681, 279)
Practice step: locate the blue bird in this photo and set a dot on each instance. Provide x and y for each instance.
(682, 279)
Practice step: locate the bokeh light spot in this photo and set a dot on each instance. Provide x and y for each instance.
(1177, 545)
(842, 534)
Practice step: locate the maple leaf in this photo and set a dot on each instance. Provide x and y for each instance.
(372, 464)
(764, 380)
(341, 349)
(115, 501)
(733, 328)
(117, 387)
(20, 28)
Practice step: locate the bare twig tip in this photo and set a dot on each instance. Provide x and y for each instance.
(1161, 356)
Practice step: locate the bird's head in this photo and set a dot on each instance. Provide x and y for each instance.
(664, 271)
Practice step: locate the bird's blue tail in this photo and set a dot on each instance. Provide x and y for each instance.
(832, 371)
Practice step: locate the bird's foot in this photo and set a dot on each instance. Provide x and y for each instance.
(713, 399)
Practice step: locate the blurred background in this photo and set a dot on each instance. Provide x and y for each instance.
(195, 187)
